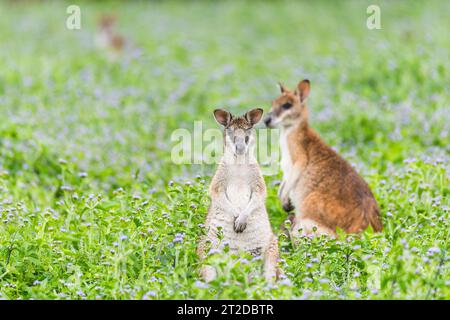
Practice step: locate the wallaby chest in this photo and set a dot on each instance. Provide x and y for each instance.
(286, 160)
(238, 187)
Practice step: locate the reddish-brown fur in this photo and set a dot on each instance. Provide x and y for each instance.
(107, 25)
(329, 191)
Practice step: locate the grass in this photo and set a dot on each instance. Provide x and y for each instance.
(92, 207)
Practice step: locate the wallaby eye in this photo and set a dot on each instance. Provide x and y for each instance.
(287, 105)
(246, 139)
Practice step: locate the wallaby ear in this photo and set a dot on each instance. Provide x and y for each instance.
(254, 115)
(222, 117)
(303, 89)
(283, 89)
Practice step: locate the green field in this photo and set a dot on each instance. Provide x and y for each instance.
(92, 206)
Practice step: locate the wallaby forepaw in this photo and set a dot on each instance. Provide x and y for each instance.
(240, 224)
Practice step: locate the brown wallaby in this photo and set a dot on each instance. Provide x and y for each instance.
(238, 194)
(324, 189)
(108, 38)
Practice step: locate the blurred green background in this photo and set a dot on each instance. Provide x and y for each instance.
(78, 119)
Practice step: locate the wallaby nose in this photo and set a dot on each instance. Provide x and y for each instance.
(240, 149)
(268, 120)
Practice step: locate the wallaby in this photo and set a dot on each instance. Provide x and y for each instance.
(108, 38)
(325, 191)
(238, 194)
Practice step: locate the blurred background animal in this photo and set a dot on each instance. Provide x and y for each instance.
(108, 37)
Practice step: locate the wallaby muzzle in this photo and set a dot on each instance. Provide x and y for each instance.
(268, 119)
(240, 146)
